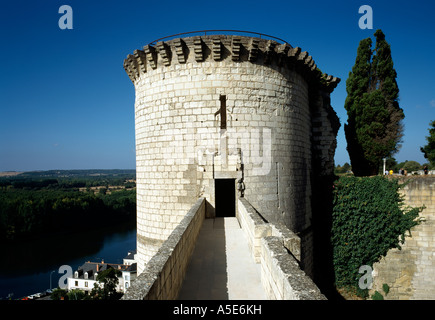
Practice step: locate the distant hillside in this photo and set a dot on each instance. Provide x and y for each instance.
(9, 173)
(128, 173)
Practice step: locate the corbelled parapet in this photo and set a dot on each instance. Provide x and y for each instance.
(221, 47)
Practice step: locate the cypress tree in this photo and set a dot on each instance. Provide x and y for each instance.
(374, 127)
(357, 85)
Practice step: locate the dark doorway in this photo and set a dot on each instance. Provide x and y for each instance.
(225, 195)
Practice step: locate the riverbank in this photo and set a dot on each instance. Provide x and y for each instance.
(27, 268)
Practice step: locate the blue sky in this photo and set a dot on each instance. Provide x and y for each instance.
(67, 103)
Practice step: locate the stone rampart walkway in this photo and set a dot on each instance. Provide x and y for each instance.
(222, 267)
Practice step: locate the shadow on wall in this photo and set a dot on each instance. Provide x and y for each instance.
(206, 277)
(323, 270)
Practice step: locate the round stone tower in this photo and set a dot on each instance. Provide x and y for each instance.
(225, 116)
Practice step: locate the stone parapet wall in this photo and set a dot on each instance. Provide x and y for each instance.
(164, 273)
(410, 272)
(282, 276)
(290, 240)
(254, 227)
(278, 250)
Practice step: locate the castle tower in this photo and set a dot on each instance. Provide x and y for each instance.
(224, 116)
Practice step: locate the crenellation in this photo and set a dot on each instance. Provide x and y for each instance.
(198, 49)
(293, 53)
(235, 48)
(302, 56)
(309, 61)
(180, 50)
(141, 60)
(164, 52)
(151, 55)
(269, 52)
(130, 66)
(282, 51)
(217, 49)
(128, 69)
(253, 49)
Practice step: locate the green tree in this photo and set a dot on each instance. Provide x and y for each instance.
(59, 294)
(346, 167)
(429, 149)
(410, 166)
(343, 169)
(374, 129)
(109, 279)
(391, 164)
(76, 294)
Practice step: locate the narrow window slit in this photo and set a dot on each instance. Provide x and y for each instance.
(223, 111)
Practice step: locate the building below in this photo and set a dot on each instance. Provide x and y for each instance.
(85, 277)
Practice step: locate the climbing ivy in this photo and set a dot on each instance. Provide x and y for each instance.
(369, 218)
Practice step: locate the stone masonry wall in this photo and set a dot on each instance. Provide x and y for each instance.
(278, 251)
(255, 228)
(164, 274)
(282, 276)
(410, 272)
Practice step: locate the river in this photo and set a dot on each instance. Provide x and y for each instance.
(27, 268)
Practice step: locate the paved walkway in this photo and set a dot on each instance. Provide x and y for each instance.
(222, 267)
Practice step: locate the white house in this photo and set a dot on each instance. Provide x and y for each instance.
(86, 275)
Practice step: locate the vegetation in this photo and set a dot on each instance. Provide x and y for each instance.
(429, 149)
(378, 296)
(59, 294)
(109, 279)
(369, 218)
(374, 127)
(75, 294)
(345, 169)
(409, 166)
(34, 205)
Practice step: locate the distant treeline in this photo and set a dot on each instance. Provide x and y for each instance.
(64, 183)
(70, 179)
(31, 207)
(391, 164)
(79, 173)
